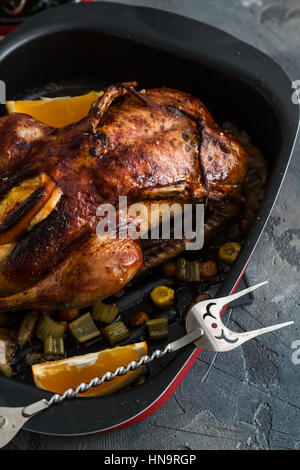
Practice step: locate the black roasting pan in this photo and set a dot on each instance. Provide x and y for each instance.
(77, 47)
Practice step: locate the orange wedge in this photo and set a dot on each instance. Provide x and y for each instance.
(56, 112)
(58, 376)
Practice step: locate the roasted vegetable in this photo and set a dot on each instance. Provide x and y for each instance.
(158, 328)
(104, 313)
(6, 370)
(169, 269)
(84, 329)
(188, 271)
(48, 327)
(38, 358)
(54, 346)
(162, 296)
(208, 269)
(64, 324)
(229, 252)
(26, 329)
(138, 318)
(194, 271)
(116, 332)
(68, 314)
(7, 346)
(181, 269)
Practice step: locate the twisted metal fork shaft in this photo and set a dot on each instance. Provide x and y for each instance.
(108, 376)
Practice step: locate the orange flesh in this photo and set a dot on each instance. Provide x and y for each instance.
(20, 226)
(57, 112)
(58, 376)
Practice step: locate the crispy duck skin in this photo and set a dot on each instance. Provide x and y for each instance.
(157, 144)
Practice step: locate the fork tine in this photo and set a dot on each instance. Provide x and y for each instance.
(254, 333)
(241, 338)
(231, 340)
(230, 298)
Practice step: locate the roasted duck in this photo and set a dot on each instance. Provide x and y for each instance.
(157, 145)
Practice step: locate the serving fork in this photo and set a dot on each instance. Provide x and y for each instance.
(204, 328)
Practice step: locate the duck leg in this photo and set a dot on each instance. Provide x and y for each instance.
(20, 134)
(96, 270)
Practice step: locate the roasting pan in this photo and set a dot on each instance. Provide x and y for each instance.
(77, 47)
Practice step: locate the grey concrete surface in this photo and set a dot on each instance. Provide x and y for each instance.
(249, 398)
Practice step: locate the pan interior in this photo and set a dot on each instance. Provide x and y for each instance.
(90, 61)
